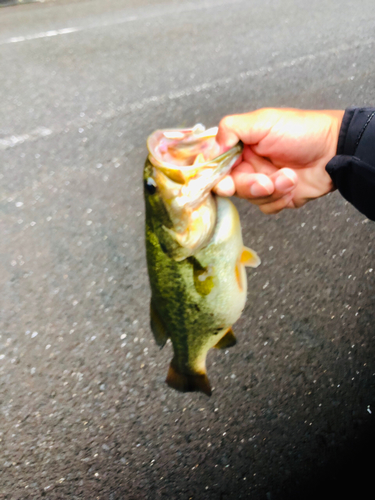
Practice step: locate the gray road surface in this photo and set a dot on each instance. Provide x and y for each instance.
(85, 413)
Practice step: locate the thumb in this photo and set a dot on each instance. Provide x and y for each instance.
(250, 128)
(228, 134)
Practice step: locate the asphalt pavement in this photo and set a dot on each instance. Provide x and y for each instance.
(85, 413)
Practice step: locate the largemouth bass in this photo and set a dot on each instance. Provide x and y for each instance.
(195, 254)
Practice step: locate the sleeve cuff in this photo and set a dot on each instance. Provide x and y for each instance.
(353, 126)
(355, 179)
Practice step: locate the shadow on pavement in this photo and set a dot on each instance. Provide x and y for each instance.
(348, 471)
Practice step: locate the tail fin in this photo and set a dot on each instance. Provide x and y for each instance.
(188, 383)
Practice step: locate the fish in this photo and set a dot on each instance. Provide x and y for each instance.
(196, 258)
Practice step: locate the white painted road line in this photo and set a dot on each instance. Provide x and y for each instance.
(188, 7)
(14, 140)
(45, 34)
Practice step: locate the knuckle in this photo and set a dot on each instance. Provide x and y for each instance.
(266, 110)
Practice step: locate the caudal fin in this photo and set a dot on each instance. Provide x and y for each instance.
(188, 383)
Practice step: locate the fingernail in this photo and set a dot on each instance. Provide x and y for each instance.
(284, 183)
(257, 189)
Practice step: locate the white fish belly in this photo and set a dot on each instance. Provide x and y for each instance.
(222, 257)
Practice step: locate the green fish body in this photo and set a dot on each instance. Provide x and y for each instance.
(198, 289)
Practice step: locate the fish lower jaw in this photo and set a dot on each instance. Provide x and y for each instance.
(190, 243)
(193, 228)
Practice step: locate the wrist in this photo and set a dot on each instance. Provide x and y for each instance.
(336, 117)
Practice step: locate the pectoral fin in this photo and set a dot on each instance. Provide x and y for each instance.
(249, 258)
(157, 327)
(228, 340)
(188, 382)
(203, 276)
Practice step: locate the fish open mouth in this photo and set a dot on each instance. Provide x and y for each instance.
(178, 148)
(187, 164)
(183, 154)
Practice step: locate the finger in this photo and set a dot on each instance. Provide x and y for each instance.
(273, 198)
(259, 163)
(225, 187)
(250, 128)
(270, 200)
(276, 206)
(249, 184)
(284, 180)
(227, 136)
(263, 189)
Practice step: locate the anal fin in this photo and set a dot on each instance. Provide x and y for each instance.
(249, 258)
(228, 340)
(157, 327)
(188, 382)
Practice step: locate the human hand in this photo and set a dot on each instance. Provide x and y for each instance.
(284, 157)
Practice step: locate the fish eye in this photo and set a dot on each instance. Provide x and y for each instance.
(150, 185)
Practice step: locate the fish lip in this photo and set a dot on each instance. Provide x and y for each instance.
(163, 165)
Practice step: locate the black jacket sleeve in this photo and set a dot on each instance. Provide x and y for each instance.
(352, 170)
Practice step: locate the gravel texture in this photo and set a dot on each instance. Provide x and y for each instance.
(85, 413)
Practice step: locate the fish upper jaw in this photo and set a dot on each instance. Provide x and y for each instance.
(202, 175)
(180, 147)
(185, 154)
